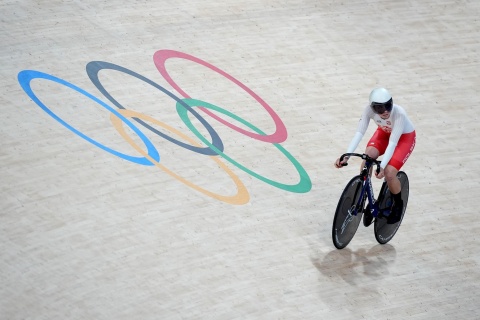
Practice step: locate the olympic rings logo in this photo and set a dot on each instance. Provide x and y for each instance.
(213, 147)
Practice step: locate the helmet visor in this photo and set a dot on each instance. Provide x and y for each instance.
(381, 107)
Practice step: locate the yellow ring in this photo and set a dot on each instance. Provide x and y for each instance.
(242, 195)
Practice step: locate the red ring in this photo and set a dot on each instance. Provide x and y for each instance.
(280, 134)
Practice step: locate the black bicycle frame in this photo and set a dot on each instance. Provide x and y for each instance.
(366, 184)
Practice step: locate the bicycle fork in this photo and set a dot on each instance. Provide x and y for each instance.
(353, 211)
(351, 214)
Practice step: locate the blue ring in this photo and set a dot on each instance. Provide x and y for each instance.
(26, 76)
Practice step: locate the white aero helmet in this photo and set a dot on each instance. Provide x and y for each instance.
(380, 100)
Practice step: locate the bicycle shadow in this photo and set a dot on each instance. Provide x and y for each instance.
(353, 266)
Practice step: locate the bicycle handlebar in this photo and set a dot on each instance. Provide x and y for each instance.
(364, 157)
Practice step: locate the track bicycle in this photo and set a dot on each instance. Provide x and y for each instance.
(351, 205)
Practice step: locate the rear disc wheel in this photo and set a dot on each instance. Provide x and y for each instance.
(384, 232)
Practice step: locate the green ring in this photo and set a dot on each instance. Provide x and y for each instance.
(303, 186)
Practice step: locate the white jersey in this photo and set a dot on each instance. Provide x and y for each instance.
(397, 124)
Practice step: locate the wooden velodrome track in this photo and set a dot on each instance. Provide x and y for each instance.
(89, 234)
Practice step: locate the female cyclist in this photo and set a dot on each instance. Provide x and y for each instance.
(394, 139)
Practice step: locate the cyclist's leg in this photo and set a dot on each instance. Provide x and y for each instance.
(376, 146)
(372, 152)
(395, 188)
(392, 181)
(402, 152)
(404, 149)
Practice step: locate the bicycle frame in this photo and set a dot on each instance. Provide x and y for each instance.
(366, 184)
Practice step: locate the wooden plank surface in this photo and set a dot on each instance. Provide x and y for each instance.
(85, 234)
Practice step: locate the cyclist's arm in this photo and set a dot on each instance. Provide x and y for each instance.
(361, 129)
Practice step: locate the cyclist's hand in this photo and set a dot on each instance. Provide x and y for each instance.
(380, 175)
(339, 164)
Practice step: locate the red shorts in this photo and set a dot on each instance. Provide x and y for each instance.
(403, 150)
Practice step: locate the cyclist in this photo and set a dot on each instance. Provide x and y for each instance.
(394, 139)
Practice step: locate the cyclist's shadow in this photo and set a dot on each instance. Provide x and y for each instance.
(353, 265)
